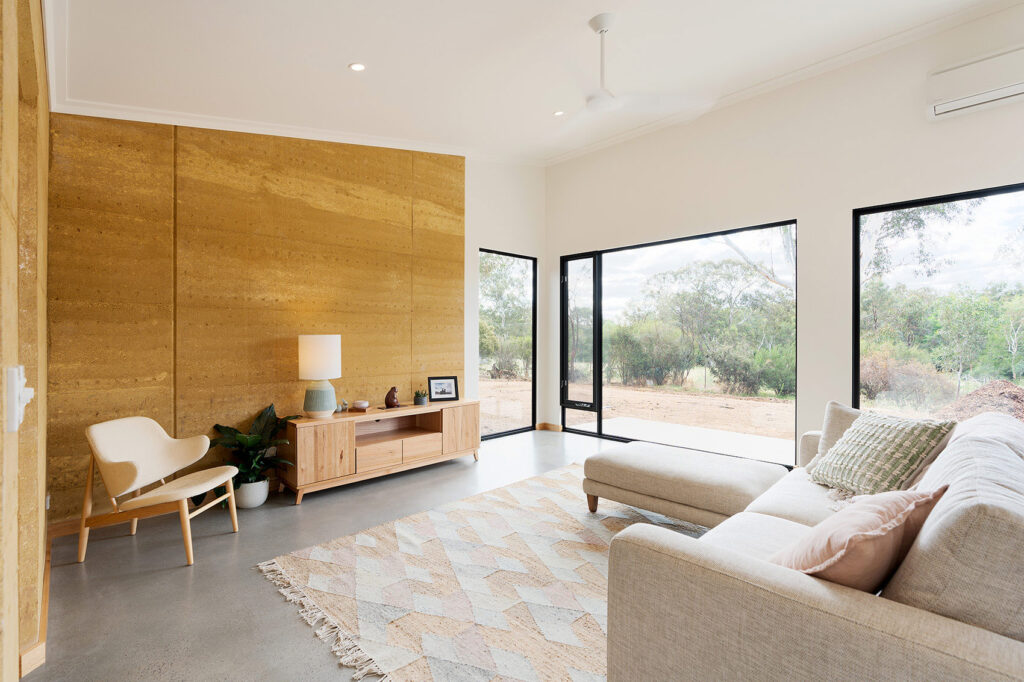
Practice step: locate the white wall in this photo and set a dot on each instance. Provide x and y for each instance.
(813, 151)
(504, 212)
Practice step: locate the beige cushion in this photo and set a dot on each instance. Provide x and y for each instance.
(808, 448)
(880, 452)
(190, 485)
(677, 510)
(862, 544)
(755, 535)
(717, 483)
(796, 498)
(838, 418)
(966, 563)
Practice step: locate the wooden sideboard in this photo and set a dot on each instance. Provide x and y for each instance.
(355, 446)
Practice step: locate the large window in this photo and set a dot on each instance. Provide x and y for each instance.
(695, 341)
(939, 318)
(508, 314)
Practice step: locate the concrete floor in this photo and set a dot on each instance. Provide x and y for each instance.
(135, 611)
(764, 448)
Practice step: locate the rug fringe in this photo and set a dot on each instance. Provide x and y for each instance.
(348, 651)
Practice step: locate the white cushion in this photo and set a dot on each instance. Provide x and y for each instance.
(756, 535)
(838, 418)
(796, 498)
(190, 485)
(717, 483)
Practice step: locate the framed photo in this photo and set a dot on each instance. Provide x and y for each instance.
(443, 388)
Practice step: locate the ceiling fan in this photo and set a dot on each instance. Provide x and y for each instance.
(605, 101)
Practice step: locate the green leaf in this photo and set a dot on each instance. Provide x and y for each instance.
(267, 419)
(225, 430)
(248, 440)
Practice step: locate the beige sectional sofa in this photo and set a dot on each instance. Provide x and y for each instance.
(715, 608)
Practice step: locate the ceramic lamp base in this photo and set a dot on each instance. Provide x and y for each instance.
(320, 401)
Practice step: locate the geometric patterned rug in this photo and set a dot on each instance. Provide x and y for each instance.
(510, 584)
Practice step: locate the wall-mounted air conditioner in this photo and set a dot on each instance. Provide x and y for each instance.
(991, 80)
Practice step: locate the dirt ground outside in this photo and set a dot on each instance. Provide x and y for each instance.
(506, 405)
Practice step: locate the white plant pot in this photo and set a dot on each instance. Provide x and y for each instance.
(250, 495)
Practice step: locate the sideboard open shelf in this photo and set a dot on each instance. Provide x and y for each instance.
(355, 446)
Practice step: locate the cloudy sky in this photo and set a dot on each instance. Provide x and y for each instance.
(986, 249)
(624, 272)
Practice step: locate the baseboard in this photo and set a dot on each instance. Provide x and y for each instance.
(544, 426)
(34, 655)
(61, 528)
(31, 658)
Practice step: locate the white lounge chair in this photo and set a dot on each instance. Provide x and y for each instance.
(134, 452)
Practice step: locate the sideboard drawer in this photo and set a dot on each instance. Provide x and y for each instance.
(378, 455)
(421, 447)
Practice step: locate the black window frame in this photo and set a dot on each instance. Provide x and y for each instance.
(858, 213)
(533, 342)
(598, 373)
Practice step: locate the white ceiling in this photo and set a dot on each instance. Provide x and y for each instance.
(473, 77)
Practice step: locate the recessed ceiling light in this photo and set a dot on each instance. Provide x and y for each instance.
(356, 66)
(559, 113)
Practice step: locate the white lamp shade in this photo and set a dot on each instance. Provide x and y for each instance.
(319, 356)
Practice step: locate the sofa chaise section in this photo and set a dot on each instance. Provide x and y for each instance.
(694, 486)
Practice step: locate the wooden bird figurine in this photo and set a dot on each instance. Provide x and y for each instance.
(391, 399)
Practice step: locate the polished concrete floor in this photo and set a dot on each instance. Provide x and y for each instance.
(764, 448)
(135, 611)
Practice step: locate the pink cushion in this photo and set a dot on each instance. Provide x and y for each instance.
(862, 544)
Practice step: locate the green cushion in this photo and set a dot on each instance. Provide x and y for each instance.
(879, 452)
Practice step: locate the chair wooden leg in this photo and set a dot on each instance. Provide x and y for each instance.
(83, 530)
(592, 502)
(186, 529)
(231, 505)
(133, 525)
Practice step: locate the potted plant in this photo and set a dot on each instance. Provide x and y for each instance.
(253, 454)
(420, 397)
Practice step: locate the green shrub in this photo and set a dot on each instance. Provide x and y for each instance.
(505, 365)
(737, 369)
(488, 340)
(778, 369)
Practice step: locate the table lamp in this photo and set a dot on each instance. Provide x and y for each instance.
(319, 361)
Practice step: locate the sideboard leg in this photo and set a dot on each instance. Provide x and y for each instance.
(476, 455)
(298, 497)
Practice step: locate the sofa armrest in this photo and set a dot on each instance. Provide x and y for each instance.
(679, 608)
(808, 447)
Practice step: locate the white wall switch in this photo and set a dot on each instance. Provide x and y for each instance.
(18, 397)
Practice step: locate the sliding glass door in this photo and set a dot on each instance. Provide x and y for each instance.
(580, 331)
(690, 342)
(508, 331)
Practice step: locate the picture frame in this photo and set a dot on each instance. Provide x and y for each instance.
(441, 389)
